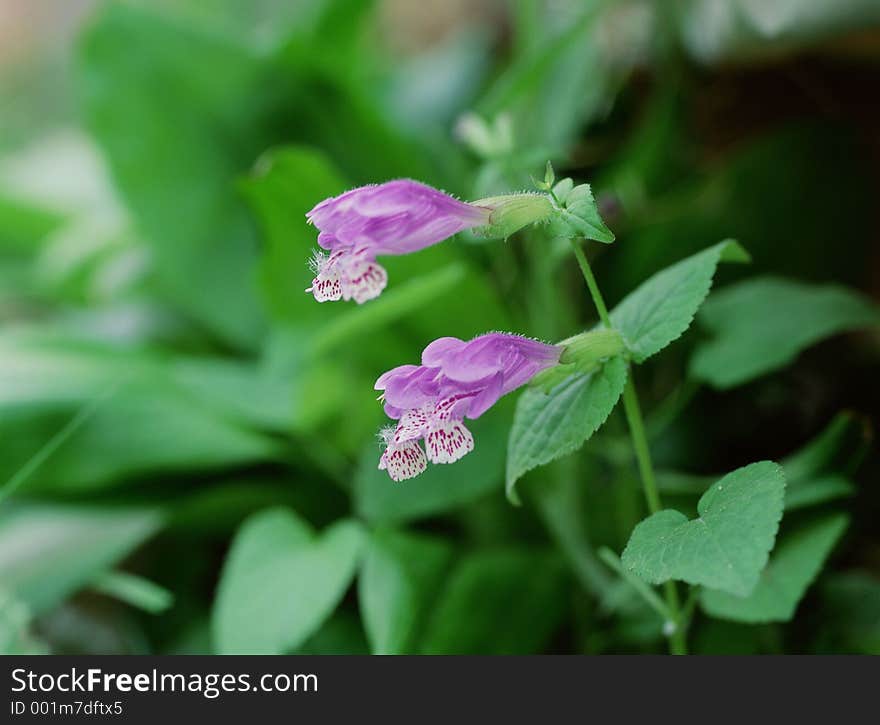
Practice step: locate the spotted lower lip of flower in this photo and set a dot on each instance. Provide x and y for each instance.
(402, 460)
(346, 275)
(456, 380)
(397, 217)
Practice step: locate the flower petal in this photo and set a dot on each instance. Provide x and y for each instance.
(412, 425)
(403, 461)
(448, 441)
(362, 279)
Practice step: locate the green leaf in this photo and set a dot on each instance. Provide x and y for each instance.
(48, 553)
(795, 563)
(397, 587)
(177, 110)
(285, 184)
(801, 494)
(761, 325)
(499, 602)
(661, 309)
(134, 590)
(580, 217)
(45, 381)
(15, 619)
(547, 426)
(841, 442)
(727, 546)
(441, 487)
(281, 581)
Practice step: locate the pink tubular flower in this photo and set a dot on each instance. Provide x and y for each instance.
(456, 380)
(397, 217)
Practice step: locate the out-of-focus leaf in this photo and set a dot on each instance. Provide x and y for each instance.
(762, 324)
(342, 634)
(725, 548)
(817, 490)
(661, 309)
(134, 590)
(400, 578)
(548, 425)
(794, 565)
(177, 111)
(281, 581)
(498, 602)
(48, 552)
(146, 421)
(835, 446)
(250, 394)
(441, 487)
(23, 226)
(15, 638)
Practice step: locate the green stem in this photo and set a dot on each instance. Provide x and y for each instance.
(640, 444)
(591, 283)
(677, 643)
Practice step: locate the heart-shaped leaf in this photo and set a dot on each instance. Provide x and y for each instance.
(725, 548)
(280, 582)
(792, 568)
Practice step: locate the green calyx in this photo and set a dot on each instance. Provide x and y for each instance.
(592, 346)
(582, 353)
(512, 212)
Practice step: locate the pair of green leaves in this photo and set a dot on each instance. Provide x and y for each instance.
(282, 582)
(552, 424)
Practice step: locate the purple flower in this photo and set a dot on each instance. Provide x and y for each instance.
(397, 217)
(456, 380)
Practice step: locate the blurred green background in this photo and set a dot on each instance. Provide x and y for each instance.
(163, 377)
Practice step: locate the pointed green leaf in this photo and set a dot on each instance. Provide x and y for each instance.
(397, 586)
(661, 309)
(793, 567)
(174, 149)
(547, 426)
(761, 325)
(281, 581)
(727, 546)
(48, 553)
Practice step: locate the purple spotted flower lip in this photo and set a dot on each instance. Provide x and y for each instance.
(456, 380)
(397, 217)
